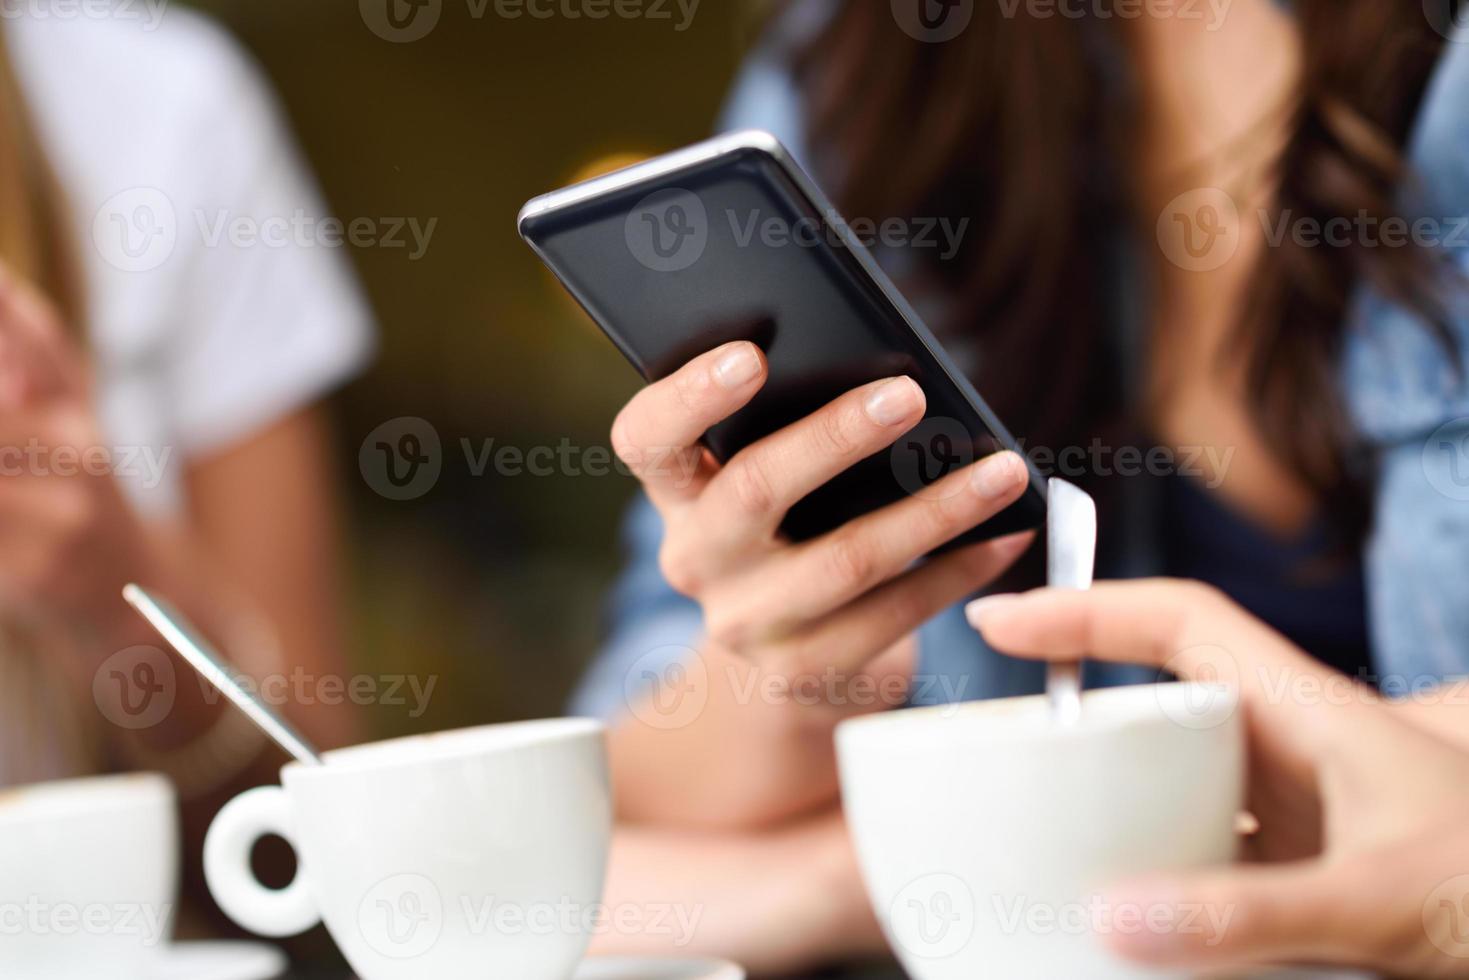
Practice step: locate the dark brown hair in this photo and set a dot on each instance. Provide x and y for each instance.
(1021, 125)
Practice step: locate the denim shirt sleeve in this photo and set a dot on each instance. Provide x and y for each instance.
(764, 96)
(651, 625)
(1410, 401)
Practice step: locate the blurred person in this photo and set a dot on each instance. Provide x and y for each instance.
(1091, 156)
(158, 388)
(1361, 856)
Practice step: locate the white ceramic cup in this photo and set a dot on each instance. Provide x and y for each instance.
(88, 878)
(988, 835)
(460, 855)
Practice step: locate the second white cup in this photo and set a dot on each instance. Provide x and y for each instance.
(987, 833)
(89, 874)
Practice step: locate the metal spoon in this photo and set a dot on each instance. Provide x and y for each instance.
(1071, 552)
(186, 639)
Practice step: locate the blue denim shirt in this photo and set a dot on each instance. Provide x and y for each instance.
(1402, 393)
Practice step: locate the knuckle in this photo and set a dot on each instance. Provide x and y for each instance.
(909, 606)
(678, 569)
(726, 628)
(1197, 602)
(750, 487)
(940, 519)
(834, 433)
(688, 390)
(1205, 594)
(850, 561)
(623, 444)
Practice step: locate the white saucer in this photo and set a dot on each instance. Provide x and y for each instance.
(221, 961)
(629, 968)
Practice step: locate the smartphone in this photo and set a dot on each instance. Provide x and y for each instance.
(731, 240)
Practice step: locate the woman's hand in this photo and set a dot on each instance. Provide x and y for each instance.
(1363, 816)
(781, 613)
(68, 538)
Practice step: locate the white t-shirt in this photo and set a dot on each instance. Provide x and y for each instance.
(219, 299)
(171, 152)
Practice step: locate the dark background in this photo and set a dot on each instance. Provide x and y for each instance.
(493, 583)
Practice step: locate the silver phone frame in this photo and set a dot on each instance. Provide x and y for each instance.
(661, 167)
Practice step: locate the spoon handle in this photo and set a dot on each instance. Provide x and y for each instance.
(1071, 550)
(183, 637)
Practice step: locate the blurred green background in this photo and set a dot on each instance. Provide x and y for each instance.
(493, 583)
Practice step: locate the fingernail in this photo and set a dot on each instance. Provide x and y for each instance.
(979, 608)
(895, 401)
(998, 475)
(737, 366)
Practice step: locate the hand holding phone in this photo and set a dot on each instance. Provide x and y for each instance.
(838, 600)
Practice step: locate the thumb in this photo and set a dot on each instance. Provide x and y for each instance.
(1236, 917)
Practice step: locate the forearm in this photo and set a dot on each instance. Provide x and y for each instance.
(745, 748)
(776, 901)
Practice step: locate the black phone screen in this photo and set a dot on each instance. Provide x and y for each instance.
(733, 248)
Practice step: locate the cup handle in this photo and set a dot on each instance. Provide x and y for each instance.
(274, 913)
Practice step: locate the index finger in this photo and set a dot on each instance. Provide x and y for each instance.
(657, 433)
(1169, 624)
